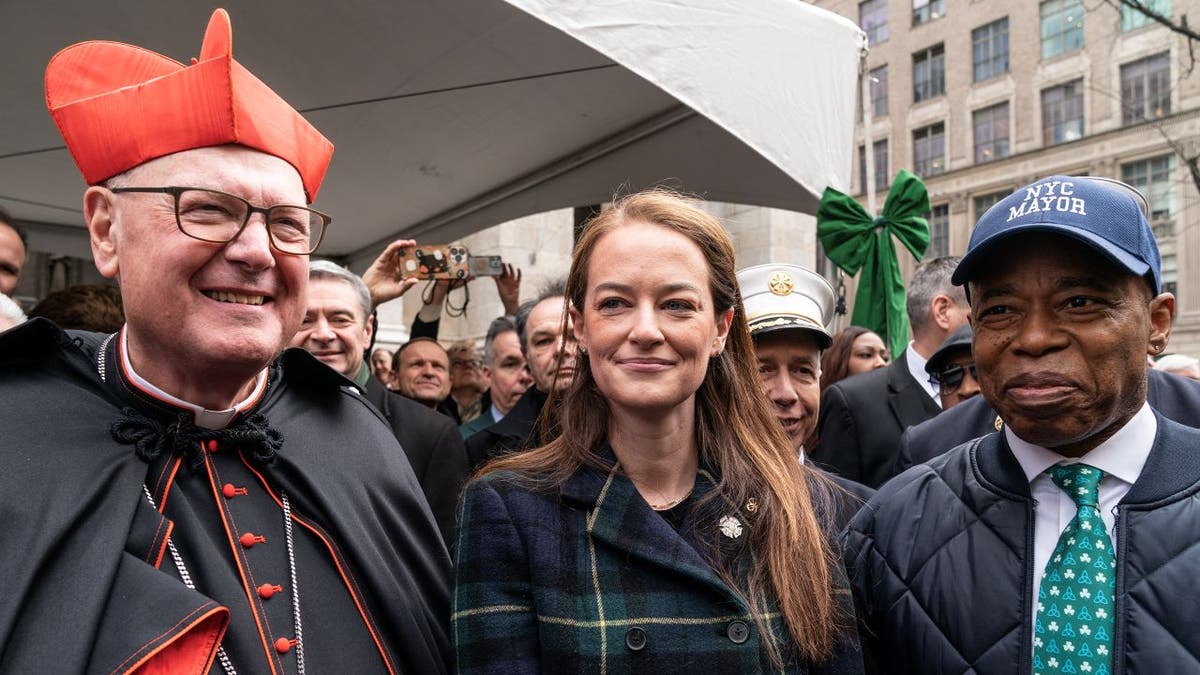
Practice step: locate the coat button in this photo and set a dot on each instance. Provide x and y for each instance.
(284, 645)
(635, 639)
(267, 590)
(249, 539)
(738, 632)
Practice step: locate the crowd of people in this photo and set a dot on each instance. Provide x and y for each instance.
(646, 468)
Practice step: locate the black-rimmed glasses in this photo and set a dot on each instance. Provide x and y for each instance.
(950, 378)
(219, 217)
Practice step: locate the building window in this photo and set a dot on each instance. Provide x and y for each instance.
(1132, 19)
(929, 150)
(929, 73)
(939, 232)
(984, 202)
(989, 50)
(879, 91)
(1146, 89)
(882, 176)
(925, 11)
(1062, 113)
(991, 133)
(873, 19)
(1062, 27)
(1153, 178)
(1170, 276)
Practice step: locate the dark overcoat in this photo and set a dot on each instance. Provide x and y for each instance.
(588, 578)
(862, 418)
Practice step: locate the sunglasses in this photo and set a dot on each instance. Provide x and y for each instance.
(951, 377)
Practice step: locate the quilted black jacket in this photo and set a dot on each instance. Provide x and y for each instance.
(941, 563)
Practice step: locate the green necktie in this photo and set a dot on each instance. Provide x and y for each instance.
(1074, 628)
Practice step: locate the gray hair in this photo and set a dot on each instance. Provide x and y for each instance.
(1177, 362)
(931, 279)
(499, 326)
(10, 312)
(556, 288)
(324, 269)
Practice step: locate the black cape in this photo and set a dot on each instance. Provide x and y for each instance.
(88, 585)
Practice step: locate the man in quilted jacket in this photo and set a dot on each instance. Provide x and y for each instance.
(1064, 543)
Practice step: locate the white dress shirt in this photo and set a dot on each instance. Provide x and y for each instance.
(1121, 458)
(496, 414)
(916, 368)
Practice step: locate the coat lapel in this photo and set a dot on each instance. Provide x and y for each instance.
(909, 402)
(618, 517)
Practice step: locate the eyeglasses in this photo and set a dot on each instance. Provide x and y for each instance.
(464, 364)
(219, 217)
(950, 378)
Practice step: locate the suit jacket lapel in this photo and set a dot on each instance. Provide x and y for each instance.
(618, 517)
(909, 402)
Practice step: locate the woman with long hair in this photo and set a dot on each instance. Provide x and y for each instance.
(668, 527)
(854, 350)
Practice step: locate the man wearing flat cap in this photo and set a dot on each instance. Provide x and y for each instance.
(952, 369)
(788, 308)
(177, 496)
(1067, 542)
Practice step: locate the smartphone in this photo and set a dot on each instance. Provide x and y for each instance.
(449, 261)
(487, 266)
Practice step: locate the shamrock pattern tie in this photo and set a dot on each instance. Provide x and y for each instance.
(1073, 632)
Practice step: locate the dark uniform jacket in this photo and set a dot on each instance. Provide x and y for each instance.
(514, 432)
(434, 449)
(590, 579)
(1177, 398)
(941, 563)
(862, 418)
(89, 584)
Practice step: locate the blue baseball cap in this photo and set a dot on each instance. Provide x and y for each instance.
(1105, 214)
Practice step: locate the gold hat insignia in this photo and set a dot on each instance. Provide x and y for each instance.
(781, 283)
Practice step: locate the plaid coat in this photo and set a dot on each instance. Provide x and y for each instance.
(589, 579)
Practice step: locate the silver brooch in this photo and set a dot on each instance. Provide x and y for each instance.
(730, 527)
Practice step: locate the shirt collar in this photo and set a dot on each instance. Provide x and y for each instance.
(916, 367)
(496, 414)
(205, 418)
(1122, 456)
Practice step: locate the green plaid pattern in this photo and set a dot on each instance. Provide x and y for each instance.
(1073, 632)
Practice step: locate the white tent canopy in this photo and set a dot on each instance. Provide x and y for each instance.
(450, 116)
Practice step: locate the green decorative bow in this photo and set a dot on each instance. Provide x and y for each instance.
(854, 240)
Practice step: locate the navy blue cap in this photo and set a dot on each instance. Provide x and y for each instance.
(1100, 213)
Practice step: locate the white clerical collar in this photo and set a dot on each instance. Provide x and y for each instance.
(916, 368)
(1122, 456)
(205, 418)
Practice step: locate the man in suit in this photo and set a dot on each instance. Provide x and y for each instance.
(550, 355)
(336, 331)
(505, 371)
(1064, 544)
(863, 416)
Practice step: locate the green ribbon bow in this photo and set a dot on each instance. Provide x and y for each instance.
(854, 240)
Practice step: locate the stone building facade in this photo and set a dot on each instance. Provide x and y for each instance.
(979, 98)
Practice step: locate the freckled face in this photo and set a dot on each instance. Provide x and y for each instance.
(1060, 340)
(649, 329)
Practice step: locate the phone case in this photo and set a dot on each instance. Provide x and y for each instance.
(450, 261)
